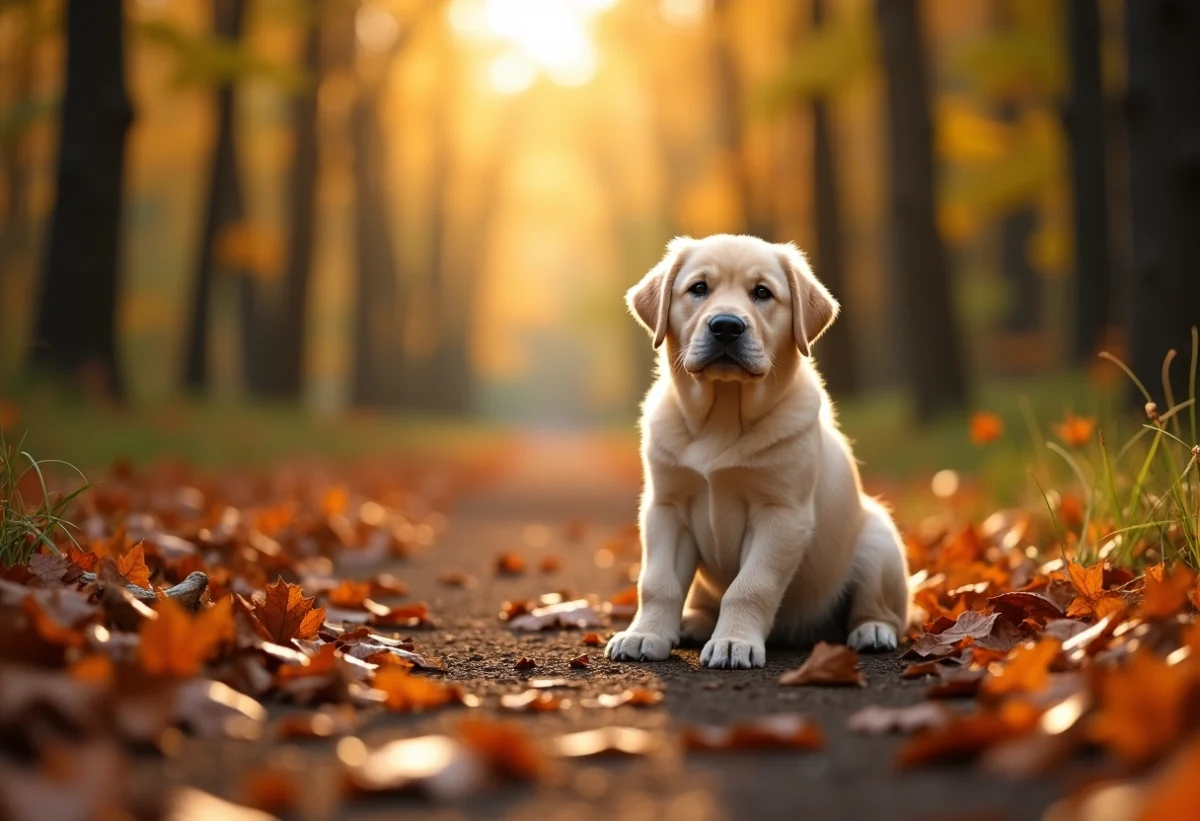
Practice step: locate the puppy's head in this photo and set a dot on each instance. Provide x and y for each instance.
(730, 307)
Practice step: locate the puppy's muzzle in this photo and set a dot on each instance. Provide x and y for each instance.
(726, 328)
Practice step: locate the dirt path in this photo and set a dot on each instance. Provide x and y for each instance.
(555, 480)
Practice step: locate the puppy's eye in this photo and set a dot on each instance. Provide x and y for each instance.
(698, 289)
(762, 292)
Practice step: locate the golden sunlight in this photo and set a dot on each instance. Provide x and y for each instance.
(535, 38)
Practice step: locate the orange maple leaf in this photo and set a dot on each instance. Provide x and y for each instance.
(407, 693)
(1166, 597)
(83, 559)
(349, 593)
(985, 428)
(1091, 599)
(1027, 670)
(286, 614)
(1143, 708)
(1076, 431)
(133, 567)
(177, 644)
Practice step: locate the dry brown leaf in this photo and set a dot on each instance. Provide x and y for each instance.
(580, 662)
(133, 567)
(177, 643)
(1027, 670)
(510, 564)
(875, 719)
(577, 614)
(349, 593)
(968, 736)
(1165, 597)
(1143, 708)
(407, 693)
(834, 664)
(775, 732)
(524, 663)
(286, 614)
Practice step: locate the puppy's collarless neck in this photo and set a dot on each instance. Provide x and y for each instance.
(731, 408)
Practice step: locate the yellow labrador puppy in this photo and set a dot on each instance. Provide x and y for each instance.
(753, 520)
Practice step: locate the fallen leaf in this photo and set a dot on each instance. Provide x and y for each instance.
(386, 585)
(968, 736)
(133, 567)
(593, 640)
(1143, 708)
(577, 614)
(956, 683)
(833, 664)
(1091, 599)
(532, 701)
(177, 643)
(349, 593)
(1017, 605)
(875, 719)
(1027, 670)
(972, 625)
(407, 693)
(405, 615)
(510, 564)
(286, 614)
(580, 662)
(1166, 597)
(774, 732)
(524, 663)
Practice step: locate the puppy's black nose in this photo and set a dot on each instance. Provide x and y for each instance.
(726, 327)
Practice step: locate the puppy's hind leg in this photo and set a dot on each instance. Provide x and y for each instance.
(879, 604)
(700, 611)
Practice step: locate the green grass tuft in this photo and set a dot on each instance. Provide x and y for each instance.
(25, 525)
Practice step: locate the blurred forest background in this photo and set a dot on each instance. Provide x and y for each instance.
(434, 206)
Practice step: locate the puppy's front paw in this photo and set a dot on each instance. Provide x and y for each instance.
(872, 637)
(735, 654)
(631, 646)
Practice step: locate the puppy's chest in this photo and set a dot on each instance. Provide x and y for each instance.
(717, 511)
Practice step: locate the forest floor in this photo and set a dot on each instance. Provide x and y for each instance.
(549, 486)
(352, 659)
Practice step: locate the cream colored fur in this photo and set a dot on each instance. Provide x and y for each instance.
(753, 520)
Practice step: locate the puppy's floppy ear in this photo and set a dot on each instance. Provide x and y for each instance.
(813, 307)
(650, 299)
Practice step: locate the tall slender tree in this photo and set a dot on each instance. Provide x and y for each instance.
(922, 279)
(76, 325)
(287, 376)
(1163, 39)
(223, 203)
(1086, 125)
(836, 350)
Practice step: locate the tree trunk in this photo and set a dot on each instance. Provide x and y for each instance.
(1163, 38)
(377, 332)
(729, 102)
(15, 232)
(223, 209)
(1085, 120)
(76, 326)
(288, 376)
(922, 280)
(836, 349)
